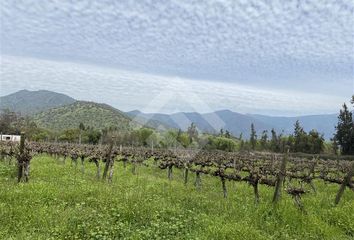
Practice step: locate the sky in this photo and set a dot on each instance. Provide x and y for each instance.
(267, 57)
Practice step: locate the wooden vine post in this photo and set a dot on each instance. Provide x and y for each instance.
(20, 163)
(186, 170)
(125, 160)
(185, 175)
(221, 173)
(198, 181)
(26, 167)
(169, 171)
(346, 182)
(23, 161)
(97, 163)
(108, 160)
(111, 164)
(280, 178)
(311, 175)
(82, 157)
(223, 184)
(133, 161)
(110, 177)
(255, 180)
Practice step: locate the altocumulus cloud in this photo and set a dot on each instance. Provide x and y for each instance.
(238, 53)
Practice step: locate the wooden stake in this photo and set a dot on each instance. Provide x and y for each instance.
(97, 162)
(198, 181)
(169, 172)
(20, 158)
(256, 193)
(186, 176)
(82, 164)
(108, 160)
(280, 179)
(134, 167)
(224, 190)
(346, 182)
(110, 177)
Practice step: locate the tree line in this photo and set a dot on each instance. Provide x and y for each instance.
(299, 141)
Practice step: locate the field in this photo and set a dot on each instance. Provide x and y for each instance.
(62, 202)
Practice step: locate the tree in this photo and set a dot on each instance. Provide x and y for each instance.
(93, 136)
(227, 134)
(282, 142)
(134, 137)
(344, 135)
(221, 143)
(8, 120)
(184, 140)
(40, 136)
(69, 135)
(192, 132)
(264, 139)
(12, 123)
(221, 132)
(152, 140)
(315, 142)
(242, 145)
(334, 146)
(253, 137)
(144, 134)
(81, 128)
(179, 133)
(299, 137)
(290, 142)
(170, 139)
(274, 141)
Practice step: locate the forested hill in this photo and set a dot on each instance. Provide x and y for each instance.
(90, 114)
(31, 102)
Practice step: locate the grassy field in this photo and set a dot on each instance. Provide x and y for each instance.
(61, 202)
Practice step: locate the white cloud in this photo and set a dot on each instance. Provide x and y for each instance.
(282, 42)
(305, 48)
(128, 90)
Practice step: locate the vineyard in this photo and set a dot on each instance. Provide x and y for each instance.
(279, 173)
(272, 170)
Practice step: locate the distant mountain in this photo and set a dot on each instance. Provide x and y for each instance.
(30, 102)
(238, 123)
(322, 123)
(89, 113)
(147, 122)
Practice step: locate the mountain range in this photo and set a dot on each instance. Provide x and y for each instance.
(58, 111)
(237, 123)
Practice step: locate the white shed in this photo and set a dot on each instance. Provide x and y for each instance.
(10, 138)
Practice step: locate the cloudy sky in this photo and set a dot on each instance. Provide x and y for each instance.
(268, 57)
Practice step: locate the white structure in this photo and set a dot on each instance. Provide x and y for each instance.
(10, 138)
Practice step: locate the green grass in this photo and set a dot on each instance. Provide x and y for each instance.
(61, 202)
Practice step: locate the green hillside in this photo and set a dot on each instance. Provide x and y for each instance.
(89, 113)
